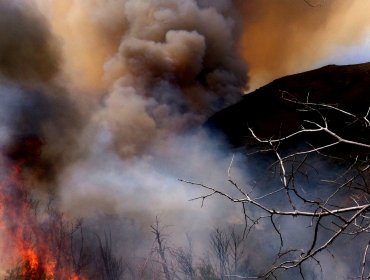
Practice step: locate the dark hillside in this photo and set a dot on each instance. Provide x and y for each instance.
(271, 112)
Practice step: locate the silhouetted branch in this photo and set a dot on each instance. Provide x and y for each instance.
(344, 211)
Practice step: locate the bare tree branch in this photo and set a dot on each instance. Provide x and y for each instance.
(342, 210)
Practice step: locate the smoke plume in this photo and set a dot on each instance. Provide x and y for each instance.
(163, 65)
(97, 121)
(34, 109)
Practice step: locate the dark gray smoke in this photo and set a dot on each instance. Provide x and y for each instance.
(28, 52)
(34, 109)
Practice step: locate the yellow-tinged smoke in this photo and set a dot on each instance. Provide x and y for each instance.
(168, 64)
(278, 37)
(156, 67)
(281, 37)
(89, 32)
(103, 40)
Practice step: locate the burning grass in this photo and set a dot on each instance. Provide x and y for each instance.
(38, 248)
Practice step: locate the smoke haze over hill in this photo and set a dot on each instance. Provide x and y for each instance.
(286, 37)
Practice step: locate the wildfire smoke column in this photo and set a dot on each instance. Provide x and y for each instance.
(30, 124)
(152, 67)
(163, 67)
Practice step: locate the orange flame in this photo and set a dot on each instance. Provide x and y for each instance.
(29, 242)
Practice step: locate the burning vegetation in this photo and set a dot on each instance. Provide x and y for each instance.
(34, 239)
(101, 112)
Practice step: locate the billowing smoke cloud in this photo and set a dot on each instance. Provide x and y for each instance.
(94, 31)
(285, 37)
(278, 37)
(164, 68)
(174, 64)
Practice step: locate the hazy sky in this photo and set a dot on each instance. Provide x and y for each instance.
(285, 37)
(358, 53)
